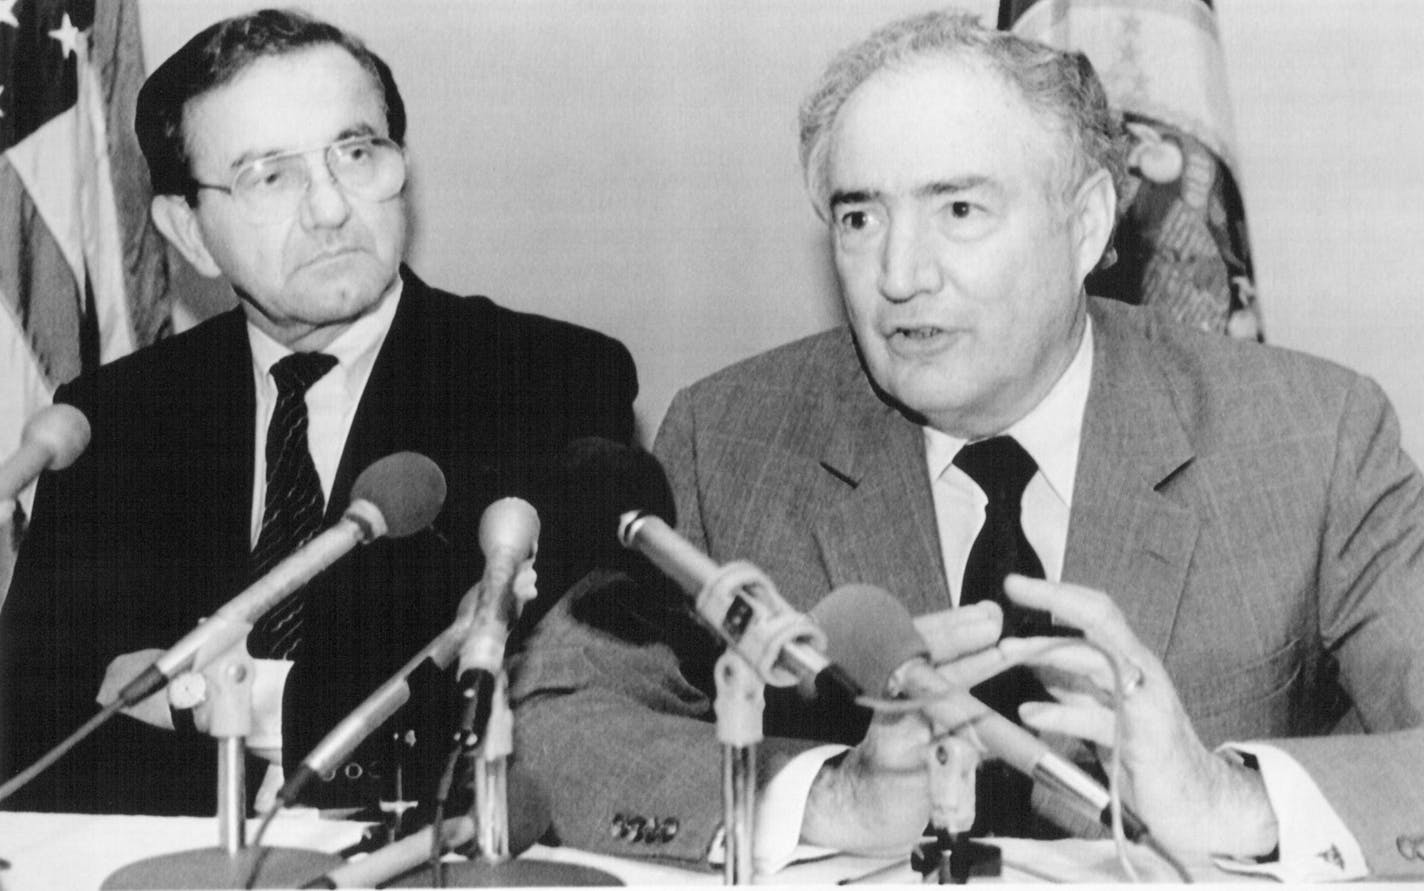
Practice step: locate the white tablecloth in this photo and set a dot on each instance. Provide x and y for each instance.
(79, 851)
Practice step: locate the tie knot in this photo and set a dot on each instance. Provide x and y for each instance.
(295, 373)
(999, 465)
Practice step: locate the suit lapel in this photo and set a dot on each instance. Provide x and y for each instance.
(212, 436)
(1125, 535)
(373, 435)
(878, 526)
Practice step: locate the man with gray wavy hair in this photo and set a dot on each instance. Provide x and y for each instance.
(1234, 526)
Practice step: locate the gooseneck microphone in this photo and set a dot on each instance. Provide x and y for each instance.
(395, 496)
(887, 653)
(736, 602)
(374, 711)
(52, 439)
(509, 537)
(740, 604)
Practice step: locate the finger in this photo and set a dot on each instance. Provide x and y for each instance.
(1074, 697)
(975, 668)
(952, 633)
(1062, 656)
(1094, 724)
(1087, 609)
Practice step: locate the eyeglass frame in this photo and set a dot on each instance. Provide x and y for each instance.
(195, 184)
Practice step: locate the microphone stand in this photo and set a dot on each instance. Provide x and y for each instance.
(493, 865)
(952, 763)
(229, 685)
(492, 778)
(739, 706)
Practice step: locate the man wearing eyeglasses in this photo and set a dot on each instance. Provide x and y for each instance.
(275, 148)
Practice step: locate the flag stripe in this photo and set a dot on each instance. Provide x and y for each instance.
(98, 220)
(38, 283)
(117, 57)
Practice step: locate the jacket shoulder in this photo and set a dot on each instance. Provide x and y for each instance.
(795, 371)
(1225, 388)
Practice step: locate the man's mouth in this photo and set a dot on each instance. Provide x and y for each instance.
(922, 332)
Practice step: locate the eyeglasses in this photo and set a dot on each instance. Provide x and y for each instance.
(270, 189)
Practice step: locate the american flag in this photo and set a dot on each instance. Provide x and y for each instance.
(83, 275)
(1181, 243)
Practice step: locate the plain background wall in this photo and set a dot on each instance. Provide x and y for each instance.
(631, 165)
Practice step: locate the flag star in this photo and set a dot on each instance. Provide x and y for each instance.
(7, 13)
(67, 35)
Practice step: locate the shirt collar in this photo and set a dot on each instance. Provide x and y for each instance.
(355, 348)
(1050, 432)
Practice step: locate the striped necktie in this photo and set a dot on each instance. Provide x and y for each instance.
(294, 505)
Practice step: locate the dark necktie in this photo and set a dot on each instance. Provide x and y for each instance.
(292, 512)
(1002, 468)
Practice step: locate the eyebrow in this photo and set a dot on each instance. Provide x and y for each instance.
(933, 189)
(350, 132)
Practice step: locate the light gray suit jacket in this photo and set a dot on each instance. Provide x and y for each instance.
(1248, 508)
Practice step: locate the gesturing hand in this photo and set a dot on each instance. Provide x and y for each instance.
(1194, 801)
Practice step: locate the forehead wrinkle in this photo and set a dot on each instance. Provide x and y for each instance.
(954, 185)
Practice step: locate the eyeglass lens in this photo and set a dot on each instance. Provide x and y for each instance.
(270, 188)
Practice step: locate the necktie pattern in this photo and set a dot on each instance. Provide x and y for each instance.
(1001, 467)
(294, 505)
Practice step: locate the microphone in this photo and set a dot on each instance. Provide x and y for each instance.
(741, 605)
(509, 536)
(52, 439)
(374, 711)
(887, 653)
(396, 496)
(601, 482)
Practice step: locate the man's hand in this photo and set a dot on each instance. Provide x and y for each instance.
(876, 799)
(1195, 802)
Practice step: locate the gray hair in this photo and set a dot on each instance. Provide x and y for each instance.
(1061, 87)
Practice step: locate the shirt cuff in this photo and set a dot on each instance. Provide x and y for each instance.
(780, 808)
(269, 680)
(1314, 845)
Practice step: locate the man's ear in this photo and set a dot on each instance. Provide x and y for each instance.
(175, 218)
(1094, 214)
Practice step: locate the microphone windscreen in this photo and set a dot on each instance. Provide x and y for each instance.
(509, 524)
(406, 487)
(603, 479)
(62, 429)
(869, 633)
(593, 481)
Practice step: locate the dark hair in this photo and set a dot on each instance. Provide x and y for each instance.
(1061, 87)
(215, 56)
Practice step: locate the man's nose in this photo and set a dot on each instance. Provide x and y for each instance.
(325, 204)
(909, 264)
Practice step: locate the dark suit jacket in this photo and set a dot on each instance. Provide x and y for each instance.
(149, 531)
(1248, 508)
